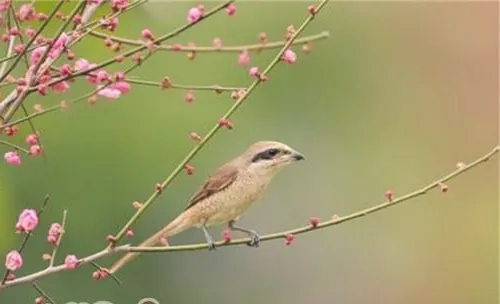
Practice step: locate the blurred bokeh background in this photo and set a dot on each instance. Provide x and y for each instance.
(397, 95)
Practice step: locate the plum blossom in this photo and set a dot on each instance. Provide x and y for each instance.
(27, 221)
(13, 260)
(12, 158)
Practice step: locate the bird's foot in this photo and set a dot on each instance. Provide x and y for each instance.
(211, 245)
(254, 239)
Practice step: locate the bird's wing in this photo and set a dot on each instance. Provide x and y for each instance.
(218, 181)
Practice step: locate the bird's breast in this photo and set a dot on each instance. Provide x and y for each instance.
(234, 200)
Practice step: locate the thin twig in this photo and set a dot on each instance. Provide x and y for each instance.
(214, 129)
(309, 228)
(59, 239)
(209, 49)
(101, 268)
(214, 87)
(43, 293)
(6, 143)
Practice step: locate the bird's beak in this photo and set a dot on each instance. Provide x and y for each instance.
(296, 156)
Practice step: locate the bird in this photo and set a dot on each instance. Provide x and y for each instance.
(226, 194)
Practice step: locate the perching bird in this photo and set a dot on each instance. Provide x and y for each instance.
(227, 194)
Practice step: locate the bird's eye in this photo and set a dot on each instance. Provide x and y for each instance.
(273, 152)
(265, 155)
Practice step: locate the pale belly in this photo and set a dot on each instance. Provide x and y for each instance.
(229, 205)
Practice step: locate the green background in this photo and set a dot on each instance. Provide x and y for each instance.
(397, 95)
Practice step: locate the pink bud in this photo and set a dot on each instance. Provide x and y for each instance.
(12, 158)
(217, 42)
(189, 169)
(109, 93)
(81, 64)
(27, 221)
(146, 34)
(65, 70)
(289, 238)
(26, 12)
(189, 97)
(13, 260)
(35, 150)
(194, 14)
(289, 56)
(389, 195)
(54, 233)
(121, 86)
(102, 76)
(31, 139)
(231, 9)
(226, 235)
(71, 261)
(195, 136)
(60, 87)
(30, 32)
(243, 58)
(37, 54)
(314, 221)
(19, 48)
(254, 71)
(14, 31)
(58, 46)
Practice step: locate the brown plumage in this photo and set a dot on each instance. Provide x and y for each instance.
(227, 193)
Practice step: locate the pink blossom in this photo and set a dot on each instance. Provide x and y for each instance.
(26, 12)
(121, 86)
(81, 64)
(71, 261)
(289, 56)
(231, 9)
(109, 93)
(37, 54)
(27, 221)
(4, 5)
(30, 32)
(119, 4)
(13, 260)
(12, 158)
(243, 58)
(102, 75)
(58, 46)
(54, 233)
(194, 14)
(60, 87)
(65, 69)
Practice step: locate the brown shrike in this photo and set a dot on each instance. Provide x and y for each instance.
(227, 194)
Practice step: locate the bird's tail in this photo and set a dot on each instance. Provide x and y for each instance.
(178, 225)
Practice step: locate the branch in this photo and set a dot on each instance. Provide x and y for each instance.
(320, 225)
(224, 49)
(214, 129)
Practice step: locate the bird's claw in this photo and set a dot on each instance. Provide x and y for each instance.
(211, 246)
(254, 239)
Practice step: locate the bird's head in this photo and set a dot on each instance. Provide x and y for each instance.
(266, 157)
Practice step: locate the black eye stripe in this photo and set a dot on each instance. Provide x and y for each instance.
(266, 155)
